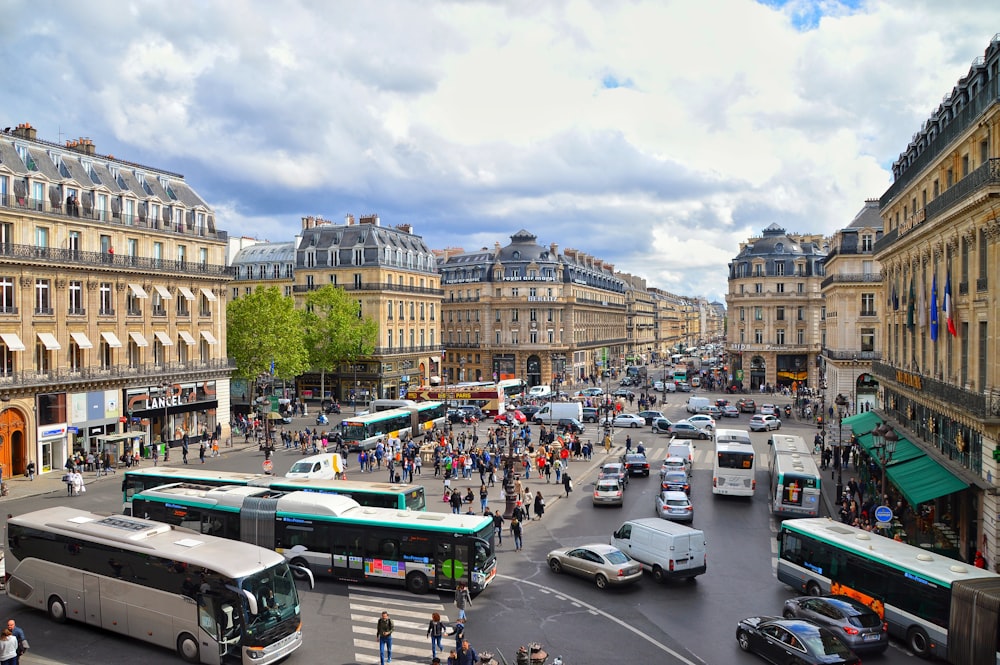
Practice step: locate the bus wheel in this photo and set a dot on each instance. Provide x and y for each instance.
(298, 574)
(916, 640)
(187, 648)
(417, 583)
(812, 589)
(57, 611)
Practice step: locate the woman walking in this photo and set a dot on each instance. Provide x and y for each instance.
(515, 529)
(435, 630)
(539, 505)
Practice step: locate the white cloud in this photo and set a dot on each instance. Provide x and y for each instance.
(653, 135)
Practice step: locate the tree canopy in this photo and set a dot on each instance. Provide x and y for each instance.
(334, 331)
(264, 327)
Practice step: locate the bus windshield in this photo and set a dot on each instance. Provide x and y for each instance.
(274, 599)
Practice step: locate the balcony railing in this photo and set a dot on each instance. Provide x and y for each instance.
(399, 350)
(982, 405)
(852, 278)
(115, 218)
(371, 286)
(58, 255)
(149, 372)
(850, 354)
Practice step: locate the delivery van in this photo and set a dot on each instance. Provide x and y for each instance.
(695, 403)
(666, 549)
(553, 412)
(326, 466)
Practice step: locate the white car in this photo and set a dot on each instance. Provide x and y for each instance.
(629, 420)
(703, 421)
(669, 387)
(761, 423)
(540, 392)
(768, 410)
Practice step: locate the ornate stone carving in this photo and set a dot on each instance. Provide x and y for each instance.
(120, 286)
(60, 283)
(26, 282)
(91, 284)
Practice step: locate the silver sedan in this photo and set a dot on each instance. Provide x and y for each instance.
(604, 564)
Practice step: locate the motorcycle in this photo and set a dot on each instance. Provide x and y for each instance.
(788, 410)
(321, 419)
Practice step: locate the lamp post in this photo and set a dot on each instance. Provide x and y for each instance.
(508, 476)
(885, 440)
(165, 387)
(841, 403)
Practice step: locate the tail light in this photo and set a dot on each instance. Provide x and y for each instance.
(850, 630)
(753, 484)
(671, 565)
(715, 482)
(689, 508)
(621, 572)
(885, 627)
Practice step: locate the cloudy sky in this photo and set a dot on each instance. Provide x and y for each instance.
(654, 135)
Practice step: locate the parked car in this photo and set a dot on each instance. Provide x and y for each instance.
(768, 410)
(730, 411)
(608, 492)
(675, 481)
(685, 430)
(746, 405)
(606, 565)
(793, 640)
(858, 625)
(662, 425)
(761, 423)
(628, 420)
(569, 426)
(703, 421)
(636, 464)
(590, 414)
(649, 416)
(616, 471)
(675, 506)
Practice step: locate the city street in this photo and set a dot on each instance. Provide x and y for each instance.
(682, 622)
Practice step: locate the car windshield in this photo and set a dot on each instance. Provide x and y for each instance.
(616, 557)
(824, 642)
(679, 503)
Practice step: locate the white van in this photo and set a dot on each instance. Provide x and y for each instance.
(666, 549)
(540, 392)
(326, 466)
(553, 412)
(695, 403)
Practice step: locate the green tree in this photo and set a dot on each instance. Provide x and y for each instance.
(264, 327)
(335, 331)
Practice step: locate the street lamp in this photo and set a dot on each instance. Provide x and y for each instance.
(885, 440)
(509, 464)
(841, 403)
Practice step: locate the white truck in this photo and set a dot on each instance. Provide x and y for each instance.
(553, 412)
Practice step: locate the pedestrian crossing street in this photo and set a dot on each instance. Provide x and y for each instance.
(410, 615)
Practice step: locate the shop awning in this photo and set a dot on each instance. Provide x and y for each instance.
(924, 479)
(209, 337)
(208, 294)
(164, 338)
(12, 341)
(163, 291)
(186, 292)
(138, 338)
(186, 336)
(49, 340)
(81, 340)
(138, 291)
(112, 340)
(863, 423)
(905, 449)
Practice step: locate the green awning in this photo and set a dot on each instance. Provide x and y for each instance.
(905, 449)
(922, 479)
(863, 423)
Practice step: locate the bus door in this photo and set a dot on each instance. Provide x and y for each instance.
(347, 553)
(92, 599)
(453, 563)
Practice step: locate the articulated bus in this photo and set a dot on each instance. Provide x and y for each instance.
(210, 599)
(364, 432)
(734, 469)
(938, 606)
(333, 535)
(386, 404)
(378, 495)
(795, 478)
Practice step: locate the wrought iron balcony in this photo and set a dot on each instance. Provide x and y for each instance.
(148, 372)
(981, 405)
(63, 257)
(852, 278)
(851, 354)
(371, 286)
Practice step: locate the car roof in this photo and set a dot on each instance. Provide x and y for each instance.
(845, 604)
(631, 455)
(600, 548)
(613, 465)
(675, 495)
(607, 481)
(675, 459)
(675, 474)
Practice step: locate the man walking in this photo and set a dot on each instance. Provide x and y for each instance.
(462, 600)
(384, 632)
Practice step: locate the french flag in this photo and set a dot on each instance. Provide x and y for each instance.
(948, 307)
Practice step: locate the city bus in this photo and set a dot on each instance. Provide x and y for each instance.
(377, 405)
(429, 415)
(364, 432)
(511, 388)
(379, 495)
(795, 478)
(335, 536)
(938, 606)
(680, 374)
(734, 469)
(208, 598)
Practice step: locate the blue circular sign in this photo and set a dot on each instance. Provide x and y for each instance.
(883, 514)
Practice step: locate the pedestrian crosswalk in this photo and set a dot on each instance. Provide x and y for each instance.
(410, 615)
(701, 456)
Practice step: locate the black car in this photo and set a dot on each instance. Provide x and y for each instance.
(529, 410)
(590, 414)
(471, 411)
(623, 392)
(569, 426)
(614, 470)
(784, 641)
(636, 464)
(456, 416)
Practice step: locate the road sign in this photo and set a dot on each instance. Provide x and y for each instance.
(267, 465)
(883, 514)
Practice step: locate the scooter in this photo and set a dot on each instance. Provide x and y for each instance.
(321, 419)
(788, 410)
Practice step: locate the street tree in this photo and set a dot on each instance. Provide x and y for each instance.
(335, 331)
(264, 335)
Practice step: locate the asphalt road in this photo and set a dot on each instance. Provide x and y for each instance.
(675, 623)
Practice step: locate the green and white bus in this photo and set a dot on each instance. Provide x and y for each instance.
(795, 478)
(375, 494)
(333, 535)
(939, 606)
(364, 432)
(208, 598)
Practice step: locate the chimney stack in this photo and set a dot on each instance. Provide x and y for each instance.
(26, 131)
(405, 228)
(369, 219)
(349, 219)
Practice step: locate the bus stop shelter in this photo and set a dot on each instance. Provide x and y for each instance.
(118, 444)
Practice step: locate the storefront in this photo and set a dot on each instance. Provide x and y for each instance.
(92, 415)
(52, 431)
(171, 412)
